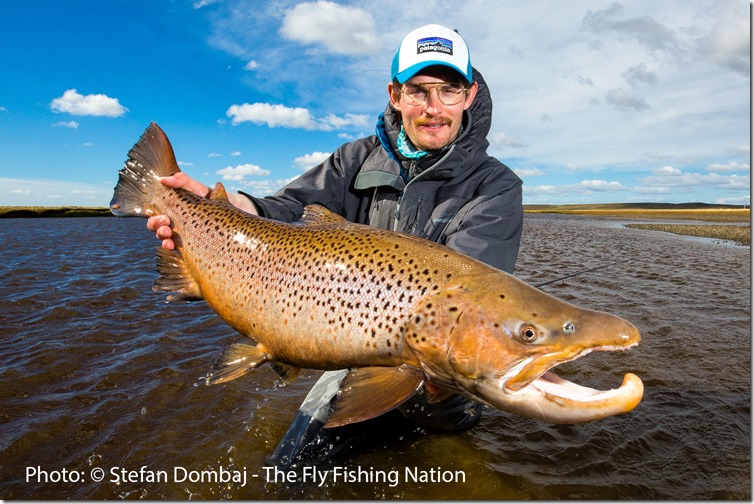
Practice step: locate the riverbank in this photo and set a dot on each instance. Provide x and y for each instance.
(13, 212)
(725, 215)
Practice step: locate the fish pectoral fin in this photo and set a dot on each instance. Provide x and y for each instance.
(286, 372)
(235, 361)
(371, 391)
(175, 277)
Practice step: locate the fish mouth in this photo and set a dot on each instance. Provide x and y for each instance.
(528, 370)
(553, 387)
(548, 397)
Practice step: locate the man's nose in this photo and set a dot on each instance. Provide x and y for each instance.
(433, 100)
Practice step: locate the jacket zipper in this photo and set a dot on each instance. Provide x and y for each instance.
(411, 181)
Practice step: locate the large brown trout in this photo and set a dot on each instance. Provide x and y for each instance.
(401, 312)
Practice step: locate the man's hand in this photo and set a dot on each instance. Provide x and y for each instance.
(160, 224)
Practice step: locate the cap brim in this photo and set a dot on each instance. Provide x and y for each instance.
(405, 75)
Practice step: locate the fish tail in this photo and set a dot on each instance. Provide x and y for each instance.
(151, 158)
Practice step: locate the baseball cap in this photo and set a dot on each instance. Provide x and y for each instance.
(431, 45)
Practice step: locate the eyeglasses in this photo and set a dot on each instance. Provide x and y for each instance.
(447, 93)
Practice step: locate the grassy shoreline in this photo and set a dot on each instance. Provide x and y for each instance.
(726, 214)
(13, 212)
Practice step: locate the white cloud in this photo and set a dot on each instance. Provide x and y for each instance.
(668, 176)
(251, 65)
(30, 192)
(310, 160)
(581, 188)
(503, 140)
(340, 28)
(732, 166)
(214, 154)
(541, 189)
(600, 185)
(68, 124)
(272, 115)
(623, 100)
(291, 117)
(240, 172)
(235, 153)
(742, 149)
(261, 188)
(666, 171)
(639, 74)
(198, 4)
(727, 43)
(736, 200)
(87, 105)
(331, 121)
(529, 172)
(645, 30)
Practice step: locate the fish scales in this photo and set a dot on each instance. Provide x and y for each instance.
(352, 293)
(399, 311)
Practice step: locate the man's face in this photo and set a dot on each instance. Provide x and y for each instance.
(431, 125)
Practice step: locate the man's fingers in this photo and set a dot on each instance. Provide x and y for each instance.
(182, 181)
(157, 221)
(164, 232)
(175, 181)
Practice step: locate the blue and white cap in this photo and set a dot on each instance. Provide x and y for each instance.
(431, 45)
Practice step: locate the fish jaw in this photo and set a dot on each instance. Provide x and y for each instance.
(480, 346)
(553, 399)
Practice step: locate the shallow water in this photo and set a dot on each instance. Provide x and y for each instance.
(98, 377)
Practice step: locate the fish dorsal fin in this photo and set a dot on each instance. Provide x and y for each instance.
(317, 215)
(219, 193)
(175, 277)
(371, 391)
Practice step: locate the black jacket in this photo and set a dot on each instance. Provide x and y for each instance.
(458, 196)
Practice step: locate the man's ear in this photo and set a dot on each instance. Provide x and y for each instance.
(470, 95)
(394, 92)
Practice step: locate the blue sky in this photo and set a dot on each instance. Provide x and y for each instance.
(595, 101)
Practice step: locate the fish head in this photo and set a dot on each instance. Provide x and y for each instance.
(496, 340)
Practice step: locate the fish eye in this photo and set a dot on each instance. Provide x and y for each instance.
(569, 327)
(529, 333)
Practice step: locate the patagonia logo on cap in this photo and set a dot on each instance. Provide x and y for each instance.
(434, 44)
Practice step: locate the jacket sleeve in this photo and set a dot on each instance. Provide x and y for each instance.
(489, 228)
(326, 184)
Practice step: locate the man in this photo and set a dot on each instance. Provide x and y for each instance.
(425, 172)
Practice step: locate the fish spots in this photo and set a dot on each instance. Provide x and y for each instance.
(338, 282)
